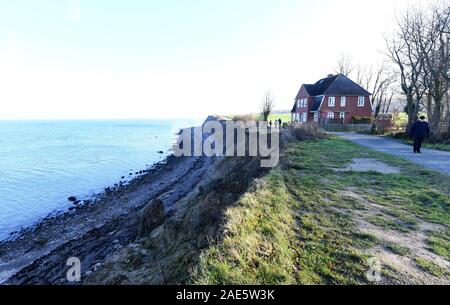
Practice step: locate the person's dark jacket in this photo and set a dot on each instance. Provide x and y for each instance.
(420, 129)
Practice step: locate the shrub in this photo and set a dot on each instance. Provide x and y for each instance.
(361, 120)
(308, 131)
(400, 135)
(244, 118)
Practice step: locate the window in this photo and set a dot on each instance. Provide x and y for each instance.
(316, 117)
(330, 115)
(304, 117)
(331, 101)
(342, 115)
(361, 101)
(343, 101)
(305, 102)
(298, 103)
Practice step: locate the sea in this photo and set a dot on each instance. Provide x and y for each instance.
(43, 163)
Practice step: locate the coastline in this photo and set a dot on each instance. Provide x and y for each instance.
(169, 179)
(172, 177)
(179, 204)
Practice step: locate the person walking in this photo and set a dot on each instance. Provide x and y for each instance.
(419, 132)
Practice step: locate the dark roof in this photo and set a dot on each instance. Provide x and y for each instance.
(321, 86)
(317, 100)
(336, 84)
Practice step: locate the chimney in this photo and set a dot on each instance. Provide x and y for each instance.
(330, 75)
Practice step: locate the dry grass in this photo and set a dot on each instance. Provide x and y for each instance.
(310, 131)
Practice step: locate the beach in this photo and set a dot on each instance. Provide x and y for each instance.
(98, 227)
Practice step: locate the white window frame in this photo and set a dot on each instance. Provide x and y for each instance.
(361, 101)
(304, 117)
(330, 115)
(343, 101)
(316, 117)
(298, 103)
(342, 115)
(331, 101)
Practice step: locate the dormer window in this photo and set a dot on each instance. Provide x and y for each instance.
(331, 101)
(343, 101)
(361, 101)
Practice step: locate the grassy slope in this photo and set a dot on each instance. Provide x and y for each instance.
(290, 228)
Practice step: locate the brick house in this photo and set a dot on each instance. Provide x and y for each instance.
(335, 98)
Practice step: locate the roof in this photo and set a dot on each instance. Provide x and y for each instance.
(336, 84)
(317, 100)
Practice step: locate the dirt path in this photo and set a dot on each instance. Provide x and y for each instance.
(431, 159)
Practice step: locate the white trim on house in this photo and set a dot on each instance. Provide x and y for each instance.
(342, 115)
(330, 115)
(363, 99)
(304, 117)
(343, 101)
(331, 101)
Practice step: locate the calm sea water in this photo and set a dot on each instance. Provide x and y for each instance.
(44, 162)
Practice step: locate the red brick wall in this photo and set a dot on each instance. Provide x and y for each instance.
(351, 108)
(302, 94)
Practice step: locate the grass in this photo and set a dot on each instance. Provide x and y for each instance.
(442, 147)
(285, 117)
(439, 243)
(398, 249)
(431, 267)
(294, 226)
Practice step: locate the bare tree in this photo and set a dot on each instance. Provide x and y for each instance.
(404, 52)
(267, 105)
(421, 50)
(345, 65)
(379, 81)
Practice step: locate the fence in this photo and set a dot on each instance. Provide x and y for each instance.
(348, 127)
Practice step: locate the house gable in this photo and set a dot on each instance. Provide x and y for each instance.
(344, 86)
(302, 94)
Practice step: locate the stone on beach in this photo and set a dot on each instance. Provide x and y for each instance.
(152, 216)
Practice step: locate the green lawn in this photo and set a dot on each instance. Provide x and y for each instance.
(443, 147)
(286, 117)
(300, 223)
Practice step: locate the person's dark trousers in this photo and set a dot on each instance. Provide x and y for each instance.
(418, 144)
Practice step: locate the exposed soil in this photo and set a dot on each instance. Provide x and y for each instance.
(413, 241)
(369, 165)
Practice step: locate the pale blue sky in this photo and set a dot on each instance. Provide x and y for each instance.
(173, 58)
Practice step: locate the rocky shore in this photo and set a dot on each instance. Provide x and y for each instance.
(149, 231)
(95, 227)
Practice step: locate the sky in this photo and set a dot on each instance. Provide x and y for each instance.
(98, 59)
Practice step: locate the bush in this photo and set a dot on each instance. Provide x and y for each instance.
(244, 118)
(361, 120)
(308, 132)
(400, 135)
